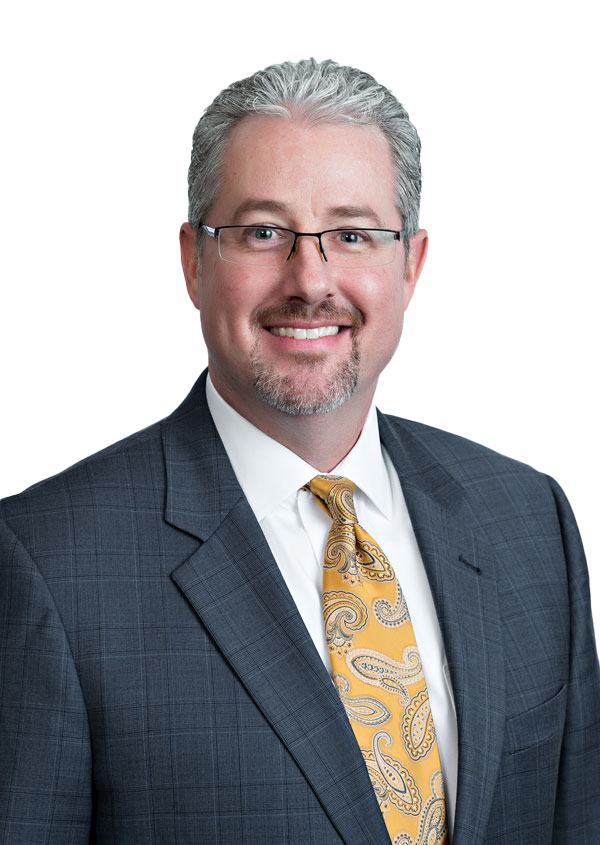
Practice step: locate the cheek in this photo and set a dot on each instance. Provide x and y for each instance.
(383, 300)
(228, 298)
(384, 312)
(220, 290)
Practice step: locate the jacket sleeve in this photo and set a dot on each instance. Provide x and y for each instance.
(577, 809)
(45, 756)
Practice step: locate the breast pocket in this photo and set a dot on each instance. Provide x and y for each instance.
(537, 726)
(526, 786)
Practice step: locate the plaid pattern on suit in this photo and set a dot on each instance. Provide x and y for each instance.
(158, 684)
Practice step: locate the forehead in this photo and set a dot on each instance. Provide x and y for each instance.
(308, 169)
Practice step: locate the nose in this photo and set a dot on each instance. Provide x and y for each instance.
(306, 275)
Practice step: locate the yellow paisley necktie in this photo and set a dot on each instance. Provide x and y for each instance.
(378, 674)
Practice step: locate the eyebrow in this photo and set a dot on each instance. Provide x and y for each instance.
(345, 212)
(356, 211)
(260, 205)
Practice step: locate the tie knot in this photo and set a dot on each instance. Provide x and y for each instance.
(336, 494)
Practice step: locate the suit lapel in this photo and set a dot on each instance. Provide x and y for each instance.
(460, 568)
(235, 586)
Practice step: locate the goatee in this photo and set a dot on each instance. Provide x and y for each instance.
(302, 396)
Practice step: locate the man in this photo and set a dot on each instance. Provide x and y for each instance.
(241, 624)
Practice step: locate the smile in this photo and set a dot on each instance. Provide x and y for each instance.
(304, 334)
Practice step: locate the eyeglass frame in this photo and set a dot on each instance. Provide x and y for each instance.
(213, 232)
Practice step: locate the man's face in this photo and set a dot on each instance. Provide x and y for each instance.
(308, 179)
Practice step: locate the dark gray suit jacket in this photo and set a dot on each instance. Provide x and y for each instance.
(159, 685)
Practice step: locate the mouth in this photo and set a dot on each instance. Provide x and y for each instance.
(296, 327)
(311, 333)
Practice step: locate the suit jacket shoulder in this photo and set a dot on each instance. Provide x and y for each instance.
(453, 451)
(490, 483)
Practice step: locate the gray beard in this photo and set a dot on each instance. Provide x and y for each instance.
(284, 394)
(301, 398)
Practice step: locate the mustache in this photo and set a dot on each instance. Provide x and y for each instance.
(301, 311)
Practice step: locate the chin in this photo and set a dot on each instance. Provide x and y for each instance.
(310, 393)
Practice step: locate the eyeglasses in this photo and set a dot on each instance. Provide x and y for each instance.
(267, 246)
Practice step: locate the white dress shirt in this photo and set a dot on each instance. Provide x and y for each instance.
(296, 529)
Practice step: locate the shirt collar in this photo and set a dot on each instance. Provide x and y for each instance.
(269, 472)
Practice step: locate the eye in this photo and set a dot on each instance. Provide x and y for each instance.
(262, 233)
(350, 237)
(262, 237)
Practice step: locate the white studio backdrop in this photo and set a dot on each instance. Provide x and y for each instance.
(98, 338)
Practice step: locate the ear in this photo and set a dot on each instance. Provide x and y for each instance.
(189, 261)
(416, 261)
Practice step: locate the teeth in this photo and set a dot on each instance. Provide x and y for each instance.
(304, 334)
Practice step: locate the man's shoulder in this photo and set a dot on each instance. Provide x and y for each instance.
(495, 487)
(134, 461)
(111, 477)
(468, 462)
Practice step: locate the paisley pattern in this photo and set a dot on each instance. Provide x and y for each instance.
(393, 784)
(336, 493)
(433, 829)
(340, 553)
(390, 614)
(378, 674)
(376, 668)
(371, 561)
(344, 613)
(363, 709)
(350, 550)
(418, 733)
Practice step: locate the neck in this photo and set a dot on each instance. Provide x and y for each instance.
(322, 440)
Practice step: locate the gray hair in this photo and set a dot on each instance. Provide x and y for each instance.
(314, 92)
